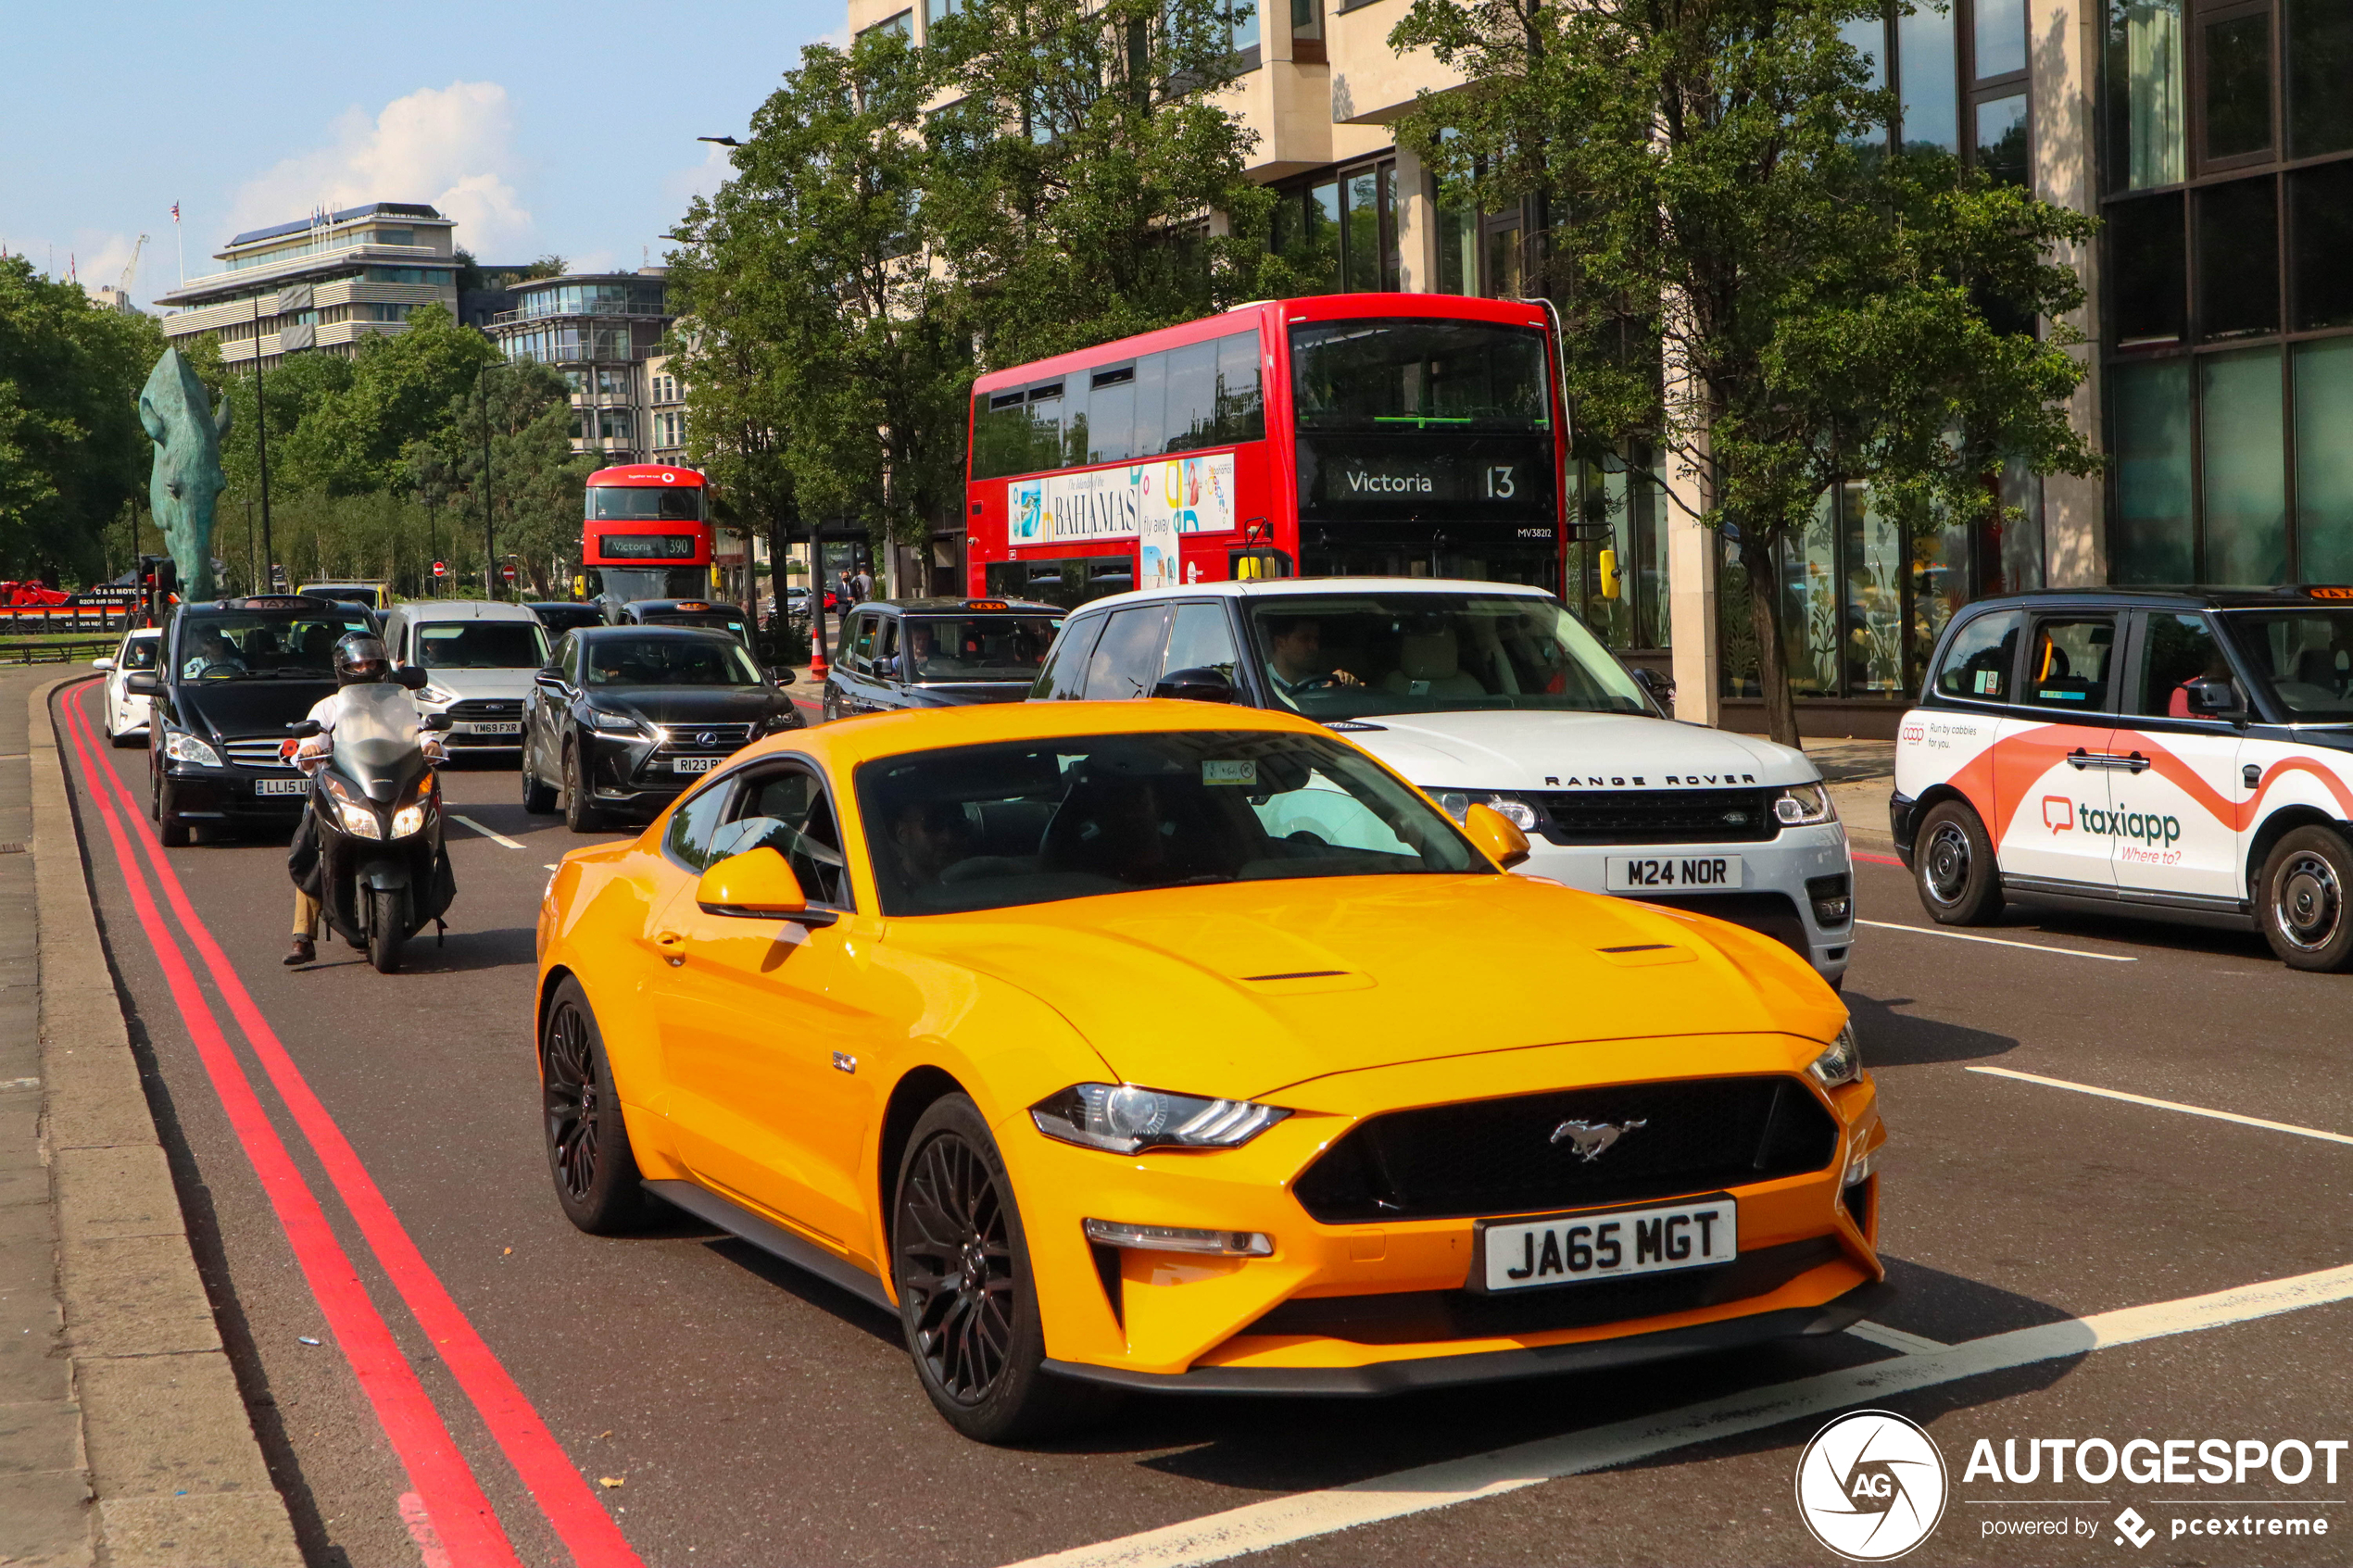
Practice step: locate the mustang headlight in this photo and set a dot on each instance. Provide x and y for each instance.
(1511, 807)
(182, 747)
(1123, 1119)
(356, 816)
(1841, 1062)
(1803, 806)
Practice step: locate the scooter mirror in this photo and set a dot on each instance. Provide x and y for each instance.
(436, 721)
(303, 729)
(412, 676)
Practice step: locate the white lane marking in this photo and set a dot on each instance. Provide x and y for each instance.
(494, 837)
(2166, 1105)
(1261, 1527)
(1895, 1338)
(552, 865)
(1997, 941)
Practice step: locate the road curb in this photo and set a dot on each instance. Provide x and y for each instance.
(175, 1475)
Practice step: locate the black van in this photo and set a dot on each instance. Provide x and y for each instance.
(235, 673)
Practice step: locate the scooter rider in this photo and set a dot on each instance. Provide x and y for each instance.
(360, 657)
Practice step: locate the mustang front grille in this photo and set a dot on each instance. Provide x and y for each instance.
(1523, 1156)
(1658, 816)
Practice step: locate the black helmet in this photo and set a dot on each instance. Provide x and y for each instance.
(360, 656)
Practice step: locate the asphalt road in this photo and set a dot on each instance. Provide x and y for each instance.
(722, 1408)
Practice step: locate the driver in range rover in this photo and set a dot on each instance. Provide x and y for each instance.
(1295, 659)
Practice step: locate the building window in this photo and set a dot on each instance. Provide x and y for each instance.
(934, 9)
(2230, 317)
(900, 26)
(614, 425)
(1343, 228)
(1307, 32)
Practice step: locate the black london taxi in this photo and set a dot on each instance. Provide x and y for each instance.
(938, 653)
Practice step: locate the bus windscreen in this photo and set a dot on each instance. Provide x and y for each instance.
(645, 503)
(1391, 375)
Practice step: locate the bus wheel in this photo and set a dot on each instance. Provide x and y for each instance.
(2302, 901)
(1953, 865)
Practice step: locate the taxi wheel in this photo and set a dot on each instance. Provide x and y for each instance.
(588, 1154)
(965, 1297)
(1953, 865)
(2307, 882)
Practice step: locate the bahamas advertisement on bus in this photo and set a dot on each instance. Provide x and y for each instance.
(1193, 495)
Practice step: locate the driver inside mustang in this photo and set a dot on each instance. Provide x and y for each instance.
(1295, 661)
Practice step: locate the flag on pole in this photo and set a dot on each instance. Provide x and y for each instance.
(175, 212)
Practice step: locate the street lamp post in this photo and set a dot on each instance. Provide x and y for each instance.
(261, 451)
(489, 543)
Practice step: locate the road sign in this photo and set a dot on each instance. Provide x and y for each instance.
(509, 572)
(441, 569)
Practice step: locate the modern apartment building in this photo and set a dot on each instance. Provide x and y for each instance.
(604, 331)
(326, 281)
(2215, 137)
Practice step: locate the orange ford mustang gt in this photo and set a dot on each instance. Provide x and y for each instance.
(1169, 1045)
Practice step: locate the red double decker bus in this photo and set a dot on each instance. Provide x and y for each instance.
(1390, 435)
(648, 533)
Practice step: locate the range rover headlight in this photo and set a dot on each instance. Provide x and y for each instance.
(1125, 1118)
(1804, 806)
(1511, 807)
(1841, 1062)
(182, 747)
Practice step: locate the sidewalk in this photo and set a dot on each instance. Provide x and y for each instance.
(1861, 774)
(123, 1438)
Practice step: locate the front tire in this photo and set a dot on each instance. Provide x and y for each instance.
(387, 928)
(1954, 868)
(967, 1297)
(537, 798)
(169, 827)
(579, 816)
(589, 1155)
(2304, 900)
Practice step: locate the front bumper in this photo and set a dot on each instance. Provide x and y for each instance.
(1344, 1308)
(1904, 824)
(232, 795)
(1772, 899)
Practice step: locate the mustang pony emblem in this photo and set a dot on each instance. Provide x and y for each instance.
(1591, 1139)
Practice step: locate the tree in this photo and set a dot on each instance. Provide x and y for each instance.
(1749, 280)
(399, 389)
(1087, 182)
(72, 453)
(535, 478)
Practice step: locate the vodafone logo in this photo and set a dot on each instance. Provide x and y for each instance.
(1871, 1486)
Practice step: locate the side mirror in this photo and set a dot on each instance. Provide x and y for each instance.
(552, 675)
(1661, 689)
(102, 664)
(412, 676)
(757, 885)
(1496, 835)
(2212, 696)
(142, 683)
(1201, 685)
(434, 721)
(782, 674)
(303, 729)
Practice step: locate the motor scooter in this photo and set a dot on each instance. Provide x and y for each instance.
(376, 801)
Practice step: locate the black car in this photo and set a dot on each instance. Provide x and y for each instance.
(626, 717)
(563, 615)
(716, 614)
(938, 653)
(234, 675)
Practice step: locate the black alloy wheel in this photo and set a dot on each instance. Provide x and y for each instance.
(537, 798)
(1953, 865)
(965, 1297)
(589, 1153)
(2303, 900)
(578, 815)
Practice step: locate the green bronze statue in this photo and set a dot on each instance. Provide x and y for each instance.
(187, 432)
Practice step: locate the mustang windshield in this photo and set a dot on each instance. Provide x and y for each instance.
(1343, 656)
(2307, 655)
(991, 827)
(668, 662)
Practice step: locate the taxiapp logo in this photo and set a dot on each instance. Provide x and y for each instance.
(2058, 813)
(1871, 1485)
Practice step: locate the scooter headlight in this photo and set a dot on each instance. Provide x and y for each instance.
(408, 819)
(355, 816)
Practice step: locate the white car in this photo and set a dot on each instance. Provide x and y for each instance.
(1489, 693)
(127, 713)
(479, 658)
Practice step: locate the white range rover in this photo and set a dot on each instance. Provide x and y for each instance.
(1490, 693)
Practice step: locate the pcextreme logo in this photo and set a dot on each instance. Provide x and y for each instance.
(1871, 1485)
(2062, 815)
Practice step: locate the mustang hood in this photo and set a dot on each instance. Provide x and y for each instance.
(1243, 989)
(1543, 751)
(253, 707)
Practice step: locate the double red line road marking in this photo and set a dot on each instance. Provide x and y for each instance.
(451, 1497)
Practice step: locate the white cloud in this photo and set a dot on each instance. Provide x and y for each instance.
(453, 147)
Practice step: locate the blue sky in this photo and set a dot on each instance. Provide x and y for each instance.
(567, 128)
